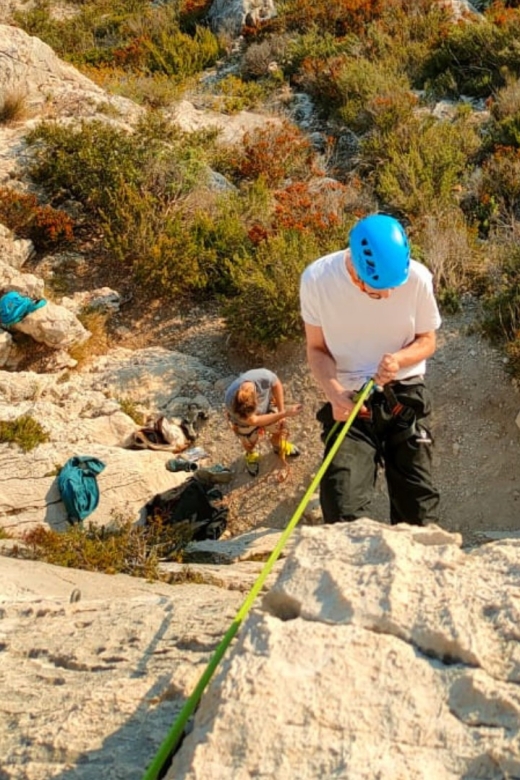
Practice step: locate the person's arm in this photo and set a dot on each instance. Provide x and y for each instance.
(323, 369)
(278, 396)
(269, 418)
(421, 348)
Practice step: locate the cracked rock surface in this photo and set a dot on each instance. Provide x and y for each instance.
(379, 653)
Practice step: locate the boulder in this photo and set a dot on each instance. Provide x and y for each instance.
(380, 652)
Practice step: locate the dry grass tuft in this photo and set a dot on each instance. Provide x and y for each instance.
(13, 107)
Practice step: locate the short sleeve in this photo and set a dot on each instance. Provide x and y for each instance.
(308, 303)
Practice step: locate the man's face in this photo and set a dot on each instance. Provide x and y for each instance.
(376, 295)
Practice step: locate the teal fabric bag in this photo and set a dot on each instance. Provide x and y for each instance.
(78, 486)
(14, 307)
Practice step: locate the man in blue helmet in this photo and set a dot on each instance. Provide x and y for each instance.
(370, 312)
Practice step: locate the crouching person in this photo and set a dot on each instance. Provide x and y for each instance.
(254, 404)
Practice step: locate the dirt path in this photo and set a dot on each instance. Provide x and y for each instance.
(477, 449)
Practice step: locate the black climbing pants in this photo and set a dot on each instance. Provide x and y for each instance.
(401, 443)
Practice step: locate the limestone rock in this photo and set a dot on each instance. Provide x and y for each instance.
(25, 284)
(384, 652)
(91, 687)
(54, 326)
(29, 66)
(15, 251)
(230, 16)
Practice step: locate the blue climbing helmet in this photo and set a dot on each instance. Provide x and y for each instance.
(380, 252)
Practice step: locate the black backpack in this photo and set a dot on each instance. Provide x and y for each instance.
(192, 504)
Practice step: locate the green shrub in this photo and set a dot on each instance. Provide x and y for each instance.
(231, 94)
(195, 254)
(316, 45)
(88, 163)
(474, 59)
(352, 88)
(25, 431)
(498, 189)
(130, 183)
(405, 34)
(502, 301)
(133, 34)
(124, 548)
(266, 311)
(418, 167)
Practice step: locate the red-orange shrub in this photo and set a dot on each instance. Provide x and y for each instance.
(45, 226)
(299, 207)
(275, 153)
(133, 55)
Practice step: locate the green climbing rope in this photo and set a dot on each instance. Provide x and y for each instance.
(172, 738)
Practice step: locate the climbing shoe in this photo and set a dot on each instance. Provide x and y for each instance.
(179, 464)
(286, 450)
(214, 475)
(253, 463)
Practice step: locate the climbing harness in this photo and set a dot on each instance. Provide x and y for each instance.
(167, 748)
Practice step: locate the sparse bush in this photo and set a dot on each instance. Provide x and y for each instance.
(129, 407)
(124, 548)
(474, 59)
(499, 188)
(96, 323)
(502, 301)
(275, 153)
(45, 226)
(25, 431)
(506, 102)
(449, 248)
(419, 166)
(258, 56)
(156, 90)
(231, 95)
(266, 311)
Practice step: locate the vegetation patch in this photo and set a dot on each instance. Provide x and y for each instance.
(45, 226)
(25, 431)
(125, 548)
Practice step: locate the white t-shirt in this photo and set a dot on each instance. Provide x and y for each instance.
(359, 330)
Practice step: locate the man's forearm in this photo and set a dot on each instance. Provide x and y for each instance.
(323, 369)
(421, 348)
